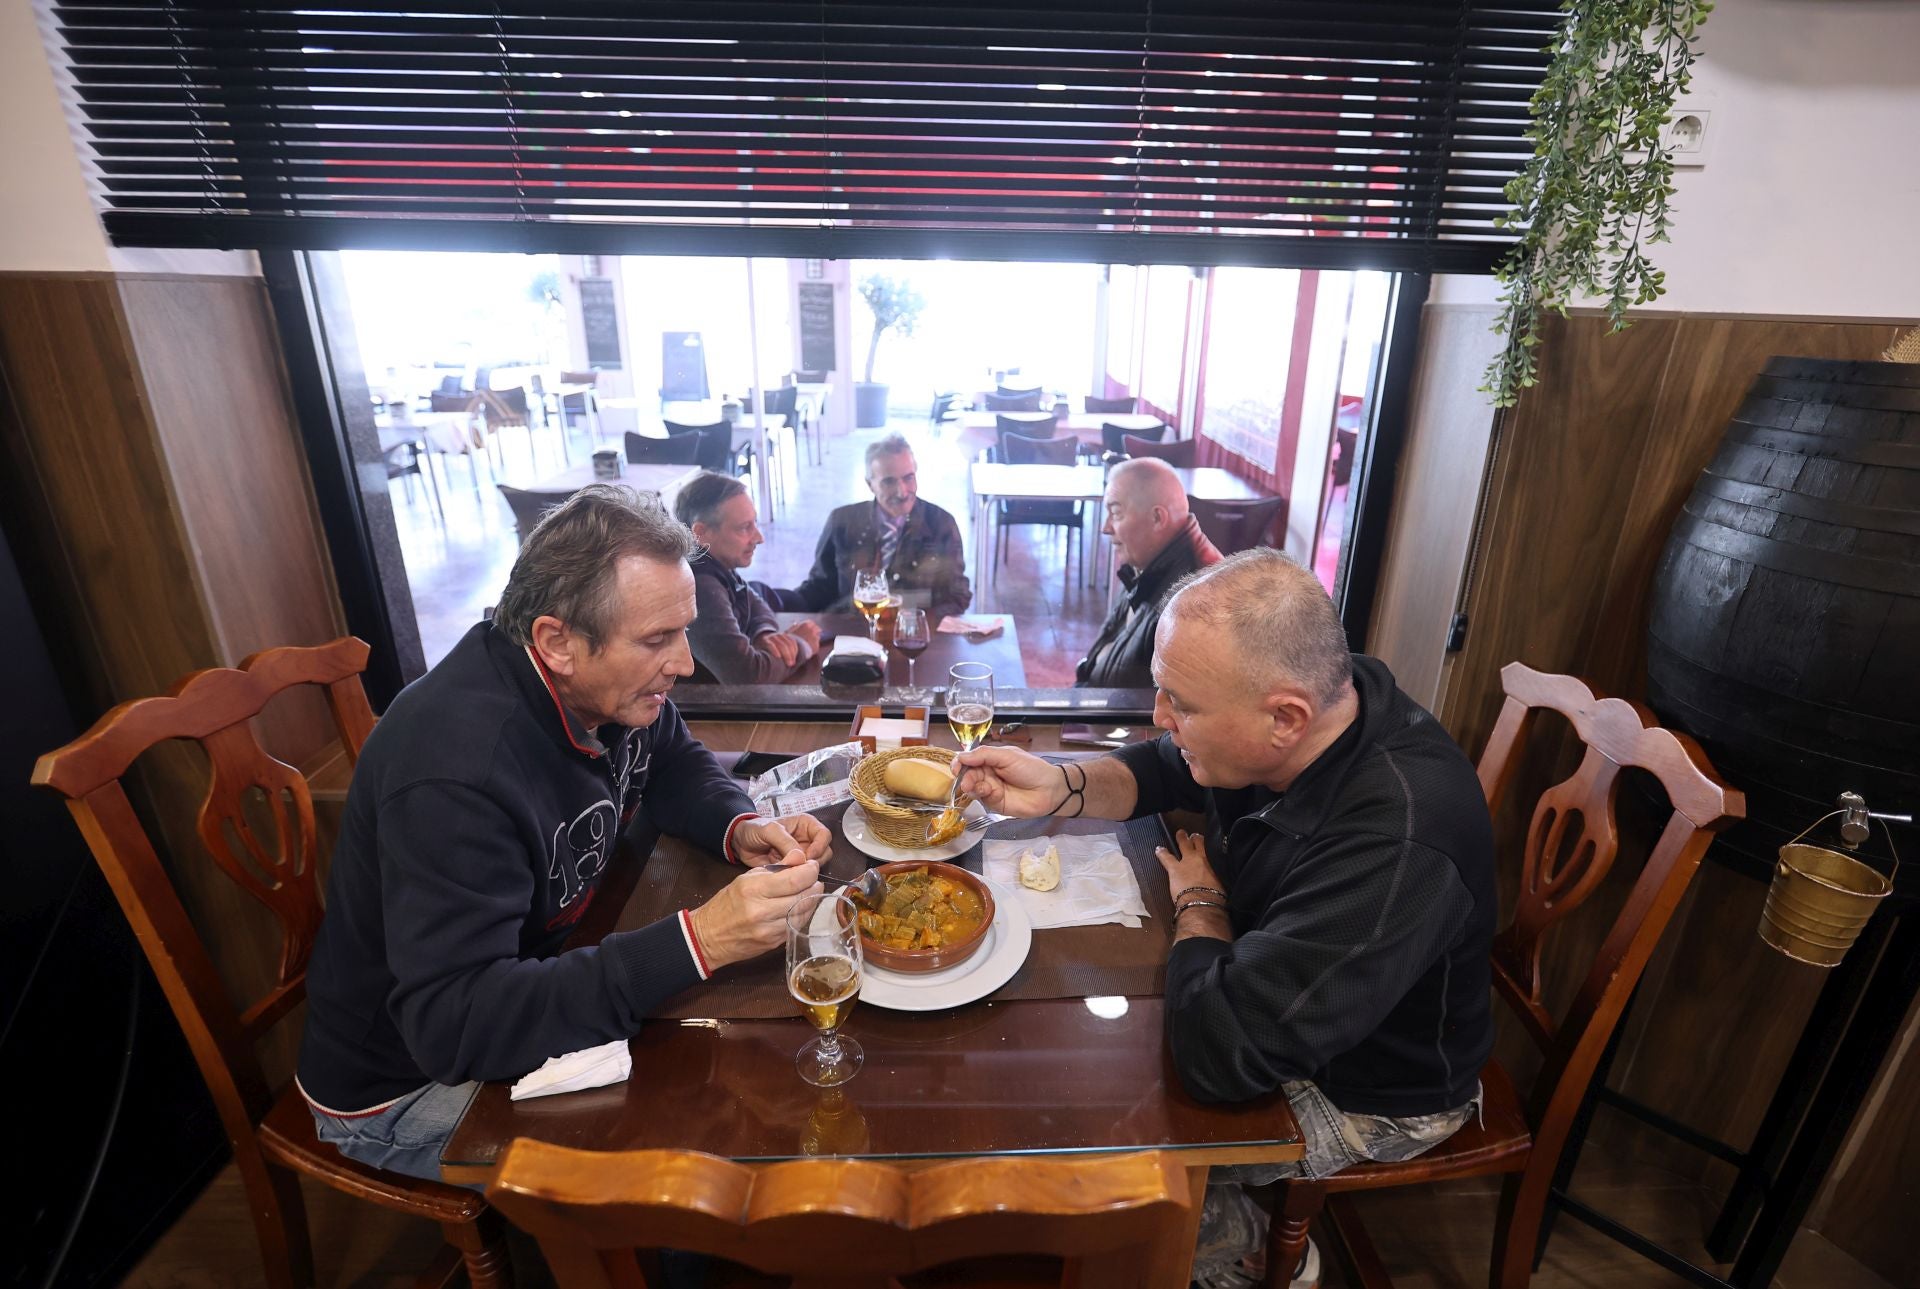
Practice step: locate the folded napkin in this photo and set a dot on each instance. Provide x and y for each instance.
(590, 1067)
(1096, 881)
(987, 626)
(859, 647)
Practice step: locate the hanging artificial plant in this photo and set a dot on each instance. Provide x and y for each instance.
(1595, 193)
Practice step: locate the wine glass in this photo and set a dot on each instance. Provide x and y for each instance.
(970, 703)
(870, 594)
(823, 975)
(911, 637)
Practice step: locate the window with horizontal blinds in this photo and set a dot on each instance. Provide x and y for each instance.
(1194, 131)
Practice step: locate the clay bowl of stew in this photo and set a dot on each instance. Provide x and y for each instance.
(964, 912)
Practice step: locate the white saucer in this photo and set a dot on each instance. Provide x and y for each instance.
(1008, 940)
(853, 826)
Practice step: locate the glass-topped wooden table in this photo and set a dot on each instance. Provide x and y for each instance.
(1082, 1070)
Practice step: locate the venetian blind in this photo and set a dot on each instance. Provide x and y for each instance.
(1344, 134)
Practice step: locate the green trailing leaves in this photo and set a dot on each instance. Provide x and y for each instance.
(1595, 194)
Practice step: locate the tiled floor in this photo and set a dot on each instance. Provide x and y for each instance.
(457, 570)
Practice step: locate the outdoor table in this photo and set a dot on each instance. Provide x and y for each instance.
(666, 480)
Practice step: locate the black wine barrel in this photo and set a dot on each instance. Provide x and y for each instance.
(1785, 619)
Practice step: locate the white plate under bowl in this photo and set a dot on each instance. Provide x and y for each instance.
(1008, 940)
(854, 827)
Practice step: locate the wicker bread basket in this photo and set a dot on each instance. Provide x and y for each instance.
(906, 829)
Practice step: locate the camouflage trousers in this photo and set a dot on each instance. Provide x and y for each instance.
(1233, 1228)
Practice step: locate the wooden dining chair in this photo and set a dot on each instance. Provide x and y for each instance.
(1096, 406)
(1234, 526)
(257, 824)
(1178, 454)
(848, 1223)
(1571, 842)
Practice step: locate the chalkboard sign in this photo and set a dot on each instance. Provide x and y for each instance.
(816, 326)
(602, 323)
(683, 367)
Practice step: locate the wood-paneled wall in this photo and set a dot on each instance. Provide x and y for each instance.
(1592, 468)
(166, 523)
(1430, 535)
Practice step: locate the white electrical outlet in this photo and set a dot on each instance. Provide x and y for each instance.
(1688, 135)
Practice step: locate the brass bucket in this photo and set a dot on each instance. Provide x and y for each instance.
(1818, 902)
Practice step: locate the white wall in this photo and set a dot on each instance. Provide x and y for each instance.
(47, 219)
(47, 222)
(1809, 203)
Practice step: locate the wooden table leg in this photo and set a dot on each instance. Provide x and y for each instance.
(1173, 1263)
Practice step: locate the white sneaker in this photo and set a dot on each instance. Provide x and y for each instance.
(1308, 1274)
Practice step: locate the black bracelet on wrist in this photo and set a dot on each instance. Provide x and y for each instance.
(1072, 792)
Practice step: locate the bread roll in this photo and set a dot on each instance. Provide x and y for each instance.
(912, 777)
(1040, 872)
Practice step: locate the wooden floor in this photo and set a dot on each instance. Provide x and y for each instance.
(1436, 1238)
(456, 569)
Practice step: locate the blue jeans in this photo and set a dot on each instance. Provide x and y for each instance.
(407, 1136)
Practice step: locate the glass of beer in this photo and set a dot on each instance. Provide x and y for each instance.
(970, 703)
(823, 975)
(870, 595)
(889, 618)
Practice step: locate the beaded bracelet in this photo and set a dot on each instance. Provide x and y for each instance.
(1188, 890)
(1197, 904)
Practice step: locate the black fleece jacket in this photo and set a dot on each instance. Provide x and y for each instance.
(1362, 904)
(477, 829)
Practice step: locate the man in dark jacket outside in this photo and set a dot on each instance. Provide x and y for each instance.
(1156, 543)
(482, 816)
(736, 640)
(1332, 927)
(915, 542)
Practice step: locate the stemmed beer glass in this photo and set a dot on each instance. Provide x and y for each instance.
(970, 703)
(823, 975)
(870, 594)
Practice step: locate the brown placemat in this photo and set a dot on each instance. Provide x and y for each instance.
(1065, 962)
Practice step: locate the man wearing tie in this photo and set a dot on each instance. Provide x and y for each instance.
(915, 542)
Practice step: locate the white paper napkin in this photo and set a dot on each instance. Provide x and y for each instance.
(865, 646)
(1096, 881)
(986, 626)
(590, 1067)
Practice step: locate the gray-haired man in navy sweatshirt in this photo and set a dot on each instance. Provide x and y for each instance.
(482, 815)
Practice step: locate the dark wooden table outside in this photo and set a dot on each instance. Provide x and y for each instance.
(1068, 1075)
(1001, 652)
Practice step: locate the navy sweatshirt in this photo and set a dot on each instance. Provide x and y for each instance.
(1362, 904)
(479, 822)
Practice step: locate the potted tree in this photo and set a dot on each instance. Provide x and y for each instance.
(896, 306)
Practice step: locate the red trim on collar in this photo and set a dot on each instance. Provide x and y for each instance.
(559, 709)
